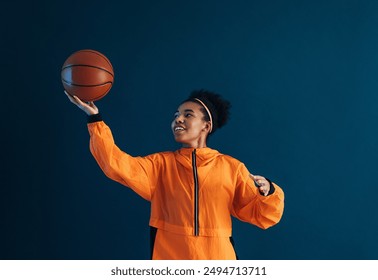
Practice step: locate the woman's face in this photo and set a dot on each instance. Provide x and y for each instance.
(189, 126)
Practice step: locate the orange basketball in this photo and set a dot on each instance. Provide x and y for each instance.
(88, 74)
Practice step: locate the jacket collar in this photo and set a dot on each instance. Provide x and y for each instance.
(203, 156)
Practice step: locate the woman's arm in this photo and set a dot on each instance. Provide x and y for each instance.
(262, 206)
(135, 172)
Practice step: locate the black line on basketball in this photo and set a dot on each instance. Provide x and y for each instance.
(86, 65)
(78, 85)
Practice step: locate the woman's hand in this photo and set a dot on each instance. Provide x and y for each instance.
(261, 183)
(89, 108)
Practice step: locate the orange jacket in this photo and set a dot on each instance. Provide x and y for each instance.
(192, 191)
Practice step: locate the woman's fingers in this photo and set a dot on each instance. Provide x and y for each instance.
(69, 97)
(259, 180)
(89, 108)
(262, 184)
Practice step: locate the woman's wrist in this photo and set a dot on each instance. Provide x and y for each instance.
(94, 118)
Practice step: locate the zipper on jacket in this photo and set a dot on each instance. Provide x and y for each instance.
(194, 165)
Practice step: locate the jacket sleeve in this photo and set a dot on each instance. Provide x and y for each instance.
(134, 172)
(251, 206)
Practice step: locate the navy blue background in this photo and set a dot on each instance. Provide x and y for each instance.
(301, 76)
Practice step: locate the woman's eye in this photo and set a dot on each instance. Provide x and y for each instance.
(188, 115)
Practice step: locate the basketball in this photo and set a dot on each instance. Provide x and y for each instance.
(88, 74)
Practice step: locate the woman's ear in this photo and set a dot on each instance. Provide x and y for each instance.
(207, 127)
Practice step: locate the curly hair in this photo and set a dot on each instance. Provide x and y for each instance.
(219, 107)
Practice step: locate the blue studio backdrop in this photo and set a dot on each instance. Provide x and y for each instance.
(302, 79)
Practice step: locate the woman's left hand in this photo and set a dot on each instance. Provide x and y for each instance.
(261, 183)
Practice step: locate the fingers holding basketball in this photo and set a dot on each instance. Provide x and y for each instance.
(87, 76)
(89, 108)
(261, 183)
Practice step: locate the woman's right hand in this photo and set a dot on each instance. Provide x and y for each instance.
(89, 108)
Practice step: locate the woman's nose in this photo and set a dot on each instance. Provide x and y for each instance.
(179, 119)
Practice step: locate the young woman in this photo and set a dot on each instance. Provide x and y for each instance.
(193, 191)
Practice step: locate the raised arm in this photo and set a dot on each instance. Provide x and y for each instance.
(138, 173)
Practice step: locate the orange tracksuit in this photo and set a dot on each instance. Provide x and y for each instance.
(193, 193)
